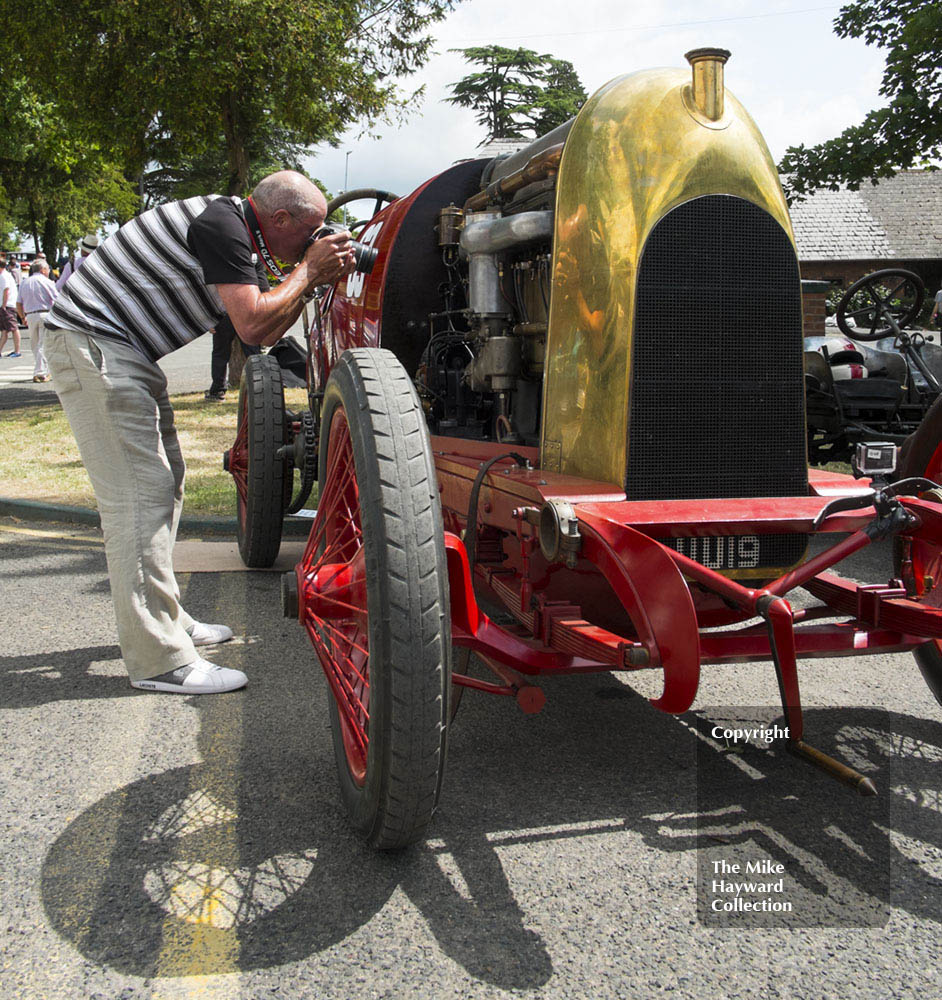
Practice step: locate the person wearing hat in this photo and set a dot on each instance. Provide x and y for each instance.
(88, 246)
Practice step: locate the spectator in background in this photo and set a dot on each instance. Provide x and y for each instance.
(88, 246)
(936, 316)
(37, 294)
(8, 323)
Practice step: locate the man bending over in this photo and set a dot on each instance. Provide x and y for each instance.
(159, 282)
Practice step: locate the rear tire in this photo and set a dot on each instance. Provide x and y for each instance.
(264, 492)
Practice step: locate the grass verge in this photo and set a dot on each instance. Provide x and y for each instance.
(39, 459)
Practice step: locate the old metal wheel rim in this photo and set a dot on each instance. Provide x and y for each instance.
(239, 460)
(342, 642)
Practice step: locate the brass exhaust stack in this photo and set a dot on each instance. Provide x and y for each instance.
(707, 89)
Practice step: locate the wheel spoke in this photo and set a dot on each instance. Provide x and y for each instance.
(355, 715)
(239, 456)
(332, 570)
(324, 595)
(328, 511)
(890, 295)
(323, 623)
(342, 666)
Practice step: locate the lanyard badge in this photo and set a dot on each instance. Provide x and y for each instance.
(258, 239)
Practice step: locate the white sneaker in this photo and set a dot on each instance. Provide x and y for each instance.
(208, 635)
(201, 677)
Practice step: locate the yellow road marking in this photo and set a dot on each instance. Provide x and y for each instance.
(202, 952)
(78, 538)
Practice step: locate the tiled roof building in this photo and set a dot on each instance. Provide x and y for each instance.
(843, 235)
(898, 219)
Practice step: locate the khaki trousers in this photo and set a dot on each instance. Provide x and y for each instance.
(117, 405)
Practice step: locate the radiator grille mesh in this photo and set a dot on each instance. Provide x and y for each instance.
(717, 391)
(717, 394)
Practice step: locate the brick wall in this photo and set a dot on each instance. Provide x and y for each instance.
(813, 309)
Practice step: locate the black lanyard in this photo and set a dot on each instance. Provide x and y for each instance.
(250, 216)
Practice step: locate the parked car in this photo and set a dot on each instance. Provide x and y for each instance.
(876, 376)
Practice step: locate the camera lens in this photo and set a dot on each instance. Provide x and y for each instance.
(365, 257)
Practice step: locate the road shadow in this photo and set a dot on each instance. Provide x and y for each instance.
(246, 861)
(67, 675)
(24, 393)
(847, 859)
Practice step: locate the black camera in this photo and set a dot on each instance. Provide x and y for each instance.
(364, 256)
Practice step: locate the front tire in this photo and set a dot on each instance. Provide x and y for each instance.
(373, 586)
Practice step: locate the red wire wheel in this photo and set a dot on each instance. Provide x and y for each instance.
(373, 598)
(921, 455)
(263, 480)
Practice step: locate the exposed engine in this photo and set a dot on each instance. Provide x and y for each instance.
(482, 371)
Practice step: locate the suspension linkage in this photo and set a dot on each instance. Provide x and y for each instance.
(892, 516)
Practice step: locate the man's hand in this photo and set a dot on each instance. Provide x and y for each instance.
(263, 319)
(330, 258)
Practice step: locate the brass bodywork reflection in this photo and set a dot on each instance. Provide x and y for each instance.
(635, 152)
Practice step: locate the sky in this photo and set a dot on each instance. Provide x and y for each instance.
(798, 80)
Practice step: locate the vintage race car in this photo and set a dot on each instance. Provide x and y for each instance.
(561, 424)
(901, 366)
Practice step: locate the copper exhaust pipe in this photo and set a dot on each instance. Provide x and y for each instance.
(538, 168)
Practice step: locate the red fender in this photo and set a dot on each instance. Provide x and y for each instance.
(657, 598)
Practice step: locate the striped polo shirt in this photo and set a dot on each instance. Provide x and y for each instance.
(152, 284)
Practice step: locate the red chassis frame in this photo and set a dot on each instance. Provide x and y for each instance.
(665, 594)
(653, 608)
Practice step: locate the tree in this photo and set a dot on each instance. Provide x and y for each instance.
(561, 98)
(908, 131)
(518, 92)
(505, 90)
(180, 78)
(56, 184)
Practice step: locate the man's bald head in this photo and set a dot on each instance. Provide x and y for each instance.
(290, 210)
(291, 191)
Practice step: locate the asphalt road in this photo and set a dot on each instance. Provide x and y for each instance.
(166, 847)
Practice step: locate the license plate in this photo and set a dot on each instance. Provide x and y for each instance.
(725, 552)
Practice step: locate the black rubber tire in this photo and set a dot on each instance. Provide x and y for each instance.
(915, 456)
(903, 318)
(268, 479)
(409, 623)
